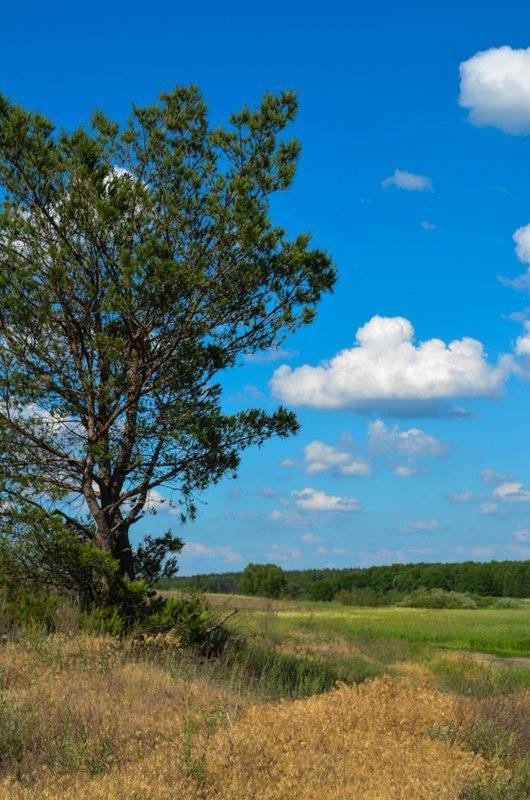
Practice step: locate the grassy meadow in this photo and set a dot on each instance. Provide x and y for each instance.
(317, 701)
(503, 632)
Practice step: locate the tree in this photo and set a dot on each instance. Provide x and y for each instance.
(263, 579)
(138, 263)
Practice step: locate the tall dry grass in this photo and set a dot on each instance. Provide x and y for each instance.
(86, 718)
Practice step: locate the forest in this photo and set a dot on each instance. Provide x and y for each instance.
(492, 578)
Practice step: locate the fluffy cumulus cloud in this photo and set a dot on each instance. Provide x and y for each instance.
(521, 238)
(387, 371)
(413, 442)
(409, 181)
(512, 492)
(522, 344)
(495, 87)
(320, 457)
(314, 500)
(155, 503)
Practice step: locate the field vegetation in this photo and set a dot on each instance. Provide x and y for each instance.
(503, 632)
(307, 700)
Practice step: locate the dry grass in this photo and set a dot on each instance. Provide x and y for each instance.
(84, 718)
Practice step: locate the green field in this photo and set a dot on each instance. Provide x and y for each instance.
(503, 632)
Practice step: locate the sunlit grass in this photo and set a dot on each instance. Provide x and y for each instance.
(503, 632)
(310, 701)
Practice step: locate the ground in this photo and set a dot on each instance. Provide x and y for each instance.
(405, 714)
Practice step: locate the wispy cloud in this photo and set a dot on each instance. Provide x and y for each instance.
(409, 181)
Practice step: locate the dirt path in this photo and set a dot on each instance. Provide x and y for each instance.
(513, 661)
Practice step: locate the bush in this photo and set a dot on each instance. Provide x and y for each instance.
(438, 598)
(506, 602)
(43, 564)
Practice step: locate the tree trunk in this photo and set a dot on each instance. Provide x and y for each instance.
(122, 552)
(115, 539)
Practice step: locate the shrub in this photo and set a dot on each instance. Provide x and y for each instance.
(506, 602)
(437, 598)
(42, 563)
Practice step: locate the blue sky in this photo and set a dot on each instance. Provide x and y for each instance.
(383, 469)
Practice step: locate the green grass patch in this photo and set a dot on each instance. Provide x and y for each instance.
(504, 632)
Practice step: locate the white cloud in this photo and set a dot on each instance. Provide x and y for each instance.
(428, 226)
(247, 514)
(287, 463)
(494, 476)
(288, 516)
(249, 393)
(386, 371)
(462, 497)
(193, 549)
(521, 238)
(413, 443)
(522, 344)
(282, 553)
(408, 180)
(383, 556)
(512, 492)
(310, 537)
(266, 491)
(156, 502)
(405, 471)
(520, 544)
(477, 551)
(482, 551)
(422, 525)
(487, 509)
(331, 551)
(519, 549)
(495, 87)
(421, 551)
(314, 500)
(320, 457)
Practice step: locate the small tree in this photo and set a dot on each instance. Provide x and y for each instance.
(136, 265)
(263, 579)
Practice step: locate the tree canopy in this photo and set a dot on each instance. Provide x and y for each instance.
(137, 263)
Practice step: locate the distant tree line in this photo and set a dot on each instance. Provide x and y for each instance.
(493, 578)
